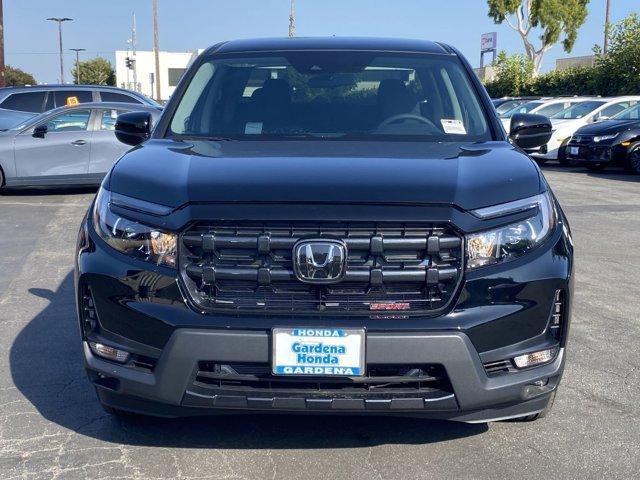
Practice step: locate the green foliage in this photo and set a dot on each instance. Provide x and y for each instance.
(620, 67)
(513, 73)
(14, 77)
(97, 71)
(616, 73)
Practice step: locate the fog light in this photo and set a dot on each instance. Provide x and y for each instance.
(110, 353)
(535, 358)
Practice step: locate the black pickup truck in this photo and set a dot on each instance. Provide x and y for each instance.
(334, 225)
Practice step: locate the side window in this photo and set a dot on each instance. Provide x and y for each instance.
(25, 102)
(71, 121)
(108, 119)
(65, 97)
(117, 97)
(611, 110)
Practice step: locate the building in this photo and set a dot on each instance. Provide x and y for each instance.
(572, 62)
(486, 73)
(172, 66)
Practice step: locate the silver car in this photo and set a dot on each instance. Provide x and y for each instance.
(65, 146)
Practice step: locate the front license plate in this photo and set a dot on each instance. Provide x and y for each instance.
(574, 150)
(319, 352)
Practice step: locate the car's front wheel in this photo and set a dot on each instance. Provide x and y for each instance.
(633, 161)
(562, 155)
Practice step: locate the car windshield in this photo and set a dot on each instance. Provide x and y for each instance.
(631, 113)
(524, 108)
(329, 95)
(579, 110)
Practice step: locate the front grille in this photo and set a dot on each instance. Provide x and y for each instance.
(581, 139)
(424, 379)
(249, 268)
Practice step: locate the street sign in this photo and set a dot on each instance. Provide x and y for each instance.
(488, 42)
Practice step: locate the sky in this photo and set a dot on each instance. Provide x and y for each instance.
(101, 27)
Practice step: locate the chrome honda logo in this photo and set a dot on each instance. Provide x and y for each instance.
(320, 261)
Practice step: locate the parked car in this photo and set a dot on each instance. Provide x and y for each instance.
(505, 104)
(546, 107)
(610, 142)
(566, 122)
(366, 242)
(66, 146)
(41, 98)
(11, 118)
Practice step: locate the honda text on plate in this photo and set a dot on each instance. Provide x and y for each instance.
(334, 225)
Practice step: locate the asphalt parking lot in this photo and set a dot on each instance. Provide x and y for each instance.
(51, 425)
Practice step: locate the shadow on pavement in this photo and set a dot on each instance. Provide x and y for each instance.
(35, 191)
(46, 366)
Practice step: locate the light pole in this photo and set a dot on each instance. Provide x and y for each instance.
(607, 15)
(77, 50)
(60, 20)
(156, 47)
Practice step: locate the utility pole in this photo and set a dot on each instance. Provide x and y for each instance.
(77, 50)
(133, 56)
(60, 20)
(292, 19)
(607, 16)
(156, 48)
(3, 80)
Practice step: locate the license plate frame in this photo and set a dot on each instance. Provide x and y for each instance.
(350, 363)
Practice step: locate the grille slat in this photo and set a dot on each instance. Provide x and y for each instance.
(249, 267)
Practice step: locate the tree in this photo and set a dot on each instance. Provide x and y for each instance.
(619, 68)
(14, 77)
(513, 75)
(555, 18)
(97, 71)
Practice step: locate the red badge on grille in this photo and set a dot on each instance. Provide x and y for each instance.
(390, 306)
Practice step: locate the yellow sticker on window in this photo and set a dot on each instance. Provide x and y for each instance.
(71, 101)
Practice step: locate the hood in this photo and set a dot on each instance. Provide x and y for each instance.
(174, 173)
(608, 126)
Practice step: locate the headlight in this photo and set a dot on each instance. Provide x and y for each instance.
(602, 138)
(510, 242)
(131, 237)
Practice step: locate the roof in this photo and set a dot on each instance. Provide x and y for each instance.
(330, 43)
(66, 86)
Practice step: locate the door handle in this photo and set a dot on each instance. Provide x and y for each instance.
(78, 143)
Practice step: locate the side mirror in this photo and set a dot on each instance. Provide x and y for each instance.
(40, 131)
(133, 128)
(529, 131)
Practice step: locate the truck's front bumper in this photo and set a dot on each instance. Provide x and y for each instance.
(171, 388)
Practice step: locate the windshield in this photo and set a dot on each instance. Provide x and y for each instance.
(579, 110)
(631, 113)
(329, 95)
(524, 108)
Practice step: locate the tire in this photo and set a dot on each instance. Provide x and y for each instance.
(632, 164)
(540, 161)
(596, 167)
(562, 155)
(1, 180)
(539, 415)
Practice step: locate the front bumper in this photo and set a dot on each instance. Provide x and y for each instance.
(597, 153)
(169, 390)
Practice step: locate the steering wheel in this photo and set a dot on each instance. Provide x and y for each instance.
(407, 116)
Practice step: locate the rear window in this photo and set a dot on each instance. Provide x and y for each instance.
(328, 95)
(118, 97)
(24, 102)
(66, 97)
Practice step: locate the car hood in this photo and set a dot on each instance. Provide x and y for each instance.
(609, 126)
(174, 173)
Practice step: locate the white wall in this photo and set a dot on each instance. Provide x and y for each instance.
(145, 64)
